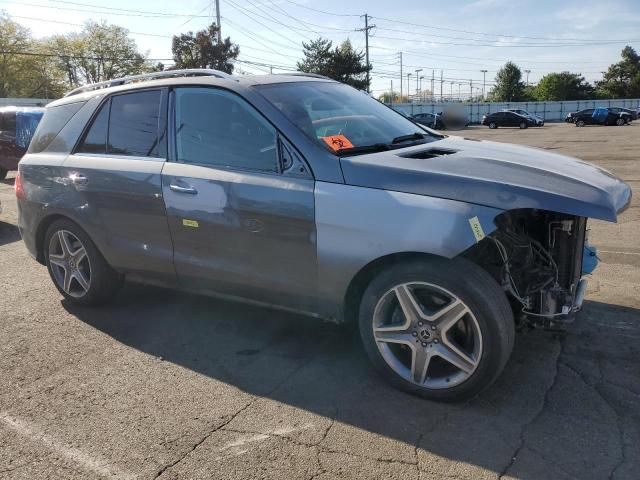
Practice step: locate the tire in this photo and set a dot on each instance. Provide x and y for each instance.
(493, 125)
(91, 281)
(523, 125)
(486, 327)
(620, 122)
(580, 123)
(3, 173)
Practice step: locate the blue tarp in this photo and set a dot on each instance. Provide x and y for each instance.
(26, 124)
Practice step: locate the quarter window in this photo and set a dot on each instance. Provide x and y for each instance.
(218, 128)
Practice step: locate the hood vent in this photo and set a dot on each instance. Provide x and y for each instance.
(429, 153)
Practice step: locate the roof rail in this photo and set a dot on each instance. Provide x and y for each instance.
(189, 72)
(305, 74)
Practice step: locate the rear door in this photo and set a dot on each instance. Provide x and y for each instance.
(240, 211)
(116, 173)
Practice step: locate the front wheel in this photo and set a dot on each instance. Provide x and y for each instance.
(580, 123)
(493, 125)
(620, 122)
(441, 329)
(77, 268)
(523, 125)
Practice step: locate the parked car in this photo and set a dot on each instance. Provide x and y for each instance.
(633, 114)
(302, 193)
(612, 117)
(507, 119)
(600, 116)
(17, 125)
(430, 120)
(539, 121)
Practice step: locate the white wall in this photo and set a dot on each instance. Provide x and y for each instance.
(550, 111)
(23, 102)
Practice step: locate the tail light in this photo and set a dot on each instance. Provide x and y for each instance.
(17, 185)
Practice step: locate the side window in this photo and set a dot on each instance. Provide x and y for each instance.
(95, 140)
(218, 128)
(133, 124)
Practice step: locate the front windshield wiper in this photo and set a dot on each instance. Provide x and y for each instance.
(376, 147)
(406, 138)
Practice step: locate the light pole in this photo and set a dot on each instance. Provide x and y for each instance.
(451, 91)
(527, 72)
(417, 79)
(484, 81)
(421, 91)
(408, 86)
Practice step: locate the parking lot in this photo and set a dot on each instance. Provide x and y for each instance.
(169, 385)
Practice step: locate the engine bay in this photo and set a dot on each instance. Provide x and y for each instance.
(537, 257)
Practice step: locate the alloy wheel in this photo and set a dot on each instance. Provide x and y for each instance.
(69, 263)
(427, 335)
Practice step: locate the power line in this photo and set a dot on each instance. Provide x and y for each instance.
(83, 25)
(241, 9)
(101, 12)
(333, 14)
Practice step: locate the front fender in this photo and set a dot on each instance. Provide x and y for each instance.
(357, 225)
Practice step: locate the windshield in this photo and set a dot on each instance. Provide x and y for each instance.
(344, 119)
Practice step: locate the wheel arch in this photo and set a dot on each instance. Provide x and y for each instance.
(44, 225)
(363, 277)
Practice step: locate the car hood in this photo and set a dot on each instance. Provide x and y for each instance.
(497, 175)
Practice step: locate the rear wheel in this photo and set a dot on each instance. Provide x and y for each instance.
(76, 267)
(620, 122)
(493, 125)
(441, 329)
(580, 123)
(523, 125)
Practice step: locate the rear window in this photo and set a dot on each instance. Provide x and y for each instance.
(55, 118)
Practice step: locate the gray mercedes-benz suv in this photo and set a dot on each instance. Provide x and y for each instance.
(305, 194)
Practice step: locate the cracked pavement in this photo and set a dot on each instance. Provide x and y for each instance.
(168, 385)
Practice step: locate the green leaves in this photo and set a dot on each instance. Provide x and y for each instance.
(202, 50)
(622, 79)
(341, 63)
(562, 86)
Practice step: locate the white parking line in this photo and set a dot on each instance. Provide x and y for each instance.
(97, 465)
(621, 253)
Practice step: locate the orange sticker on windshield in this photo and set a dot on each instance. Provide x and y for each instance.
(337, 142)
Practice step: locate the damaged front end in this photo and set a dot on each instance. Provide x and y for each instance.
(540, 258)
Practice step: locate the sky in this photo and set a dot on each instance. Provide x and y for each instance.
(457, 38)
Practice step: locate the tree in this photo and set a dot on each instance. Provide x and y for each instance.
(622, 79)
(341, 63)
(26, 68)
(562, 86)
(13, 38)
(99, 52)
(203, 50)
(509, 86)
(387, 97)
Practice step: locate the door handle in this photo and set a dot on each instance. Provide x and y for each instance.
(179, 189)
(78, 179)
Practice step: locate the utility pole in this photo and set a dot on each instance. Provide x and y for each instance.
(451, 93)
(400, 53)
(271, 69)
(433, 76)
(408, 86)
(484, 82)
(441, 82)
(418, 80)
(218, 21)
(471, 89)
(421, 90)
(366, 29)
(527, 72)
(391, 96)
